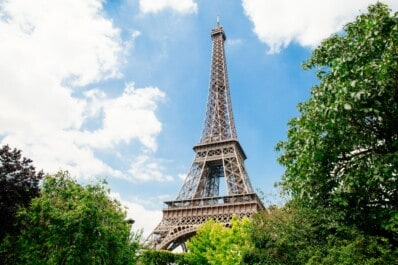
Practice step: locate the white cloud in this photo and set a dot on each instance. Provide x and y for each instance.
(48, 49)
(277, 23)
(143, 218)
(144, 168)
(78, 42)
(130, 116)
(155, 6)
(234, 42)
(182, 176)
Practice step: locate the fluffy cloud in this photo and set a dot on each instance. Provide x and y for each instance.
(155, 6)
(144, 219)
(129, 116)
(277, 23)
(145, 168)
(50, 50)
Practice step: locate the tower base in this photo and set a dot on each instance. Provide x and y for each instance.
(181, 218)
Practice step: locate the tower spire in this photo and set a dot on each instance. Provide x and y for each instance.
(219, 122)
(218, 156)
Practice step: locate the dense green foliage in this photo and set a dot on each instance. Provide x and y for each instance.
(342, 151)
(279, 237)
(216, 244)
(162, 257)
(19, 184)
(300, 235)
(74, 224)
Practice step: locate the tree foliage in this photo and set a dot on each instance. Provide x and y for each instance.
(279, 236)
(19, 184)
(162, 257)
(296, 234)
(216, 244)
(342, 150)
(73, 224)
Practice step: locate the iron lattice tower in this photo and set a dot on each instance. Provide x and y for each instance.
(219, 155)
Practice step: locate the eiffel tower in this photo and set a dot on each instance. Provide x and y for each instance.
(218, 155)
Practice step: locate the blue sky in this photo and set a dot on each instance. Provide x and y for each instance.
(118, 89)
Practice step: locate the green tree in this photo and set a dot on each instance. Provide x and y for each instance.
(280, 236)
(296, 234)
(162, 257)
(342, 150)
(19, 184)
(73, 224)
(216, 244)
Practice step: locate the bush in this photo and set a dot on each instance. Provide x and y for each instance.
(162, 257)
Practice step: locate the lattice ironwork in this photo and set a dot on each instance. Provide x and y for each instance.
(219, 122)
(181, 218)
(219, 156)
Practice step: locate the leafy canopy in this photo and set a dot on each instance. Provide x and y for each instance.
(216, 244)
(300, 235)
(19, 184)
(74, 224)
(162, 257)
(342, 150)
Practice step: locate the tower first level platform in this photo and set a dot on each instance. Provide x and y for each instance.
(181, 218)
